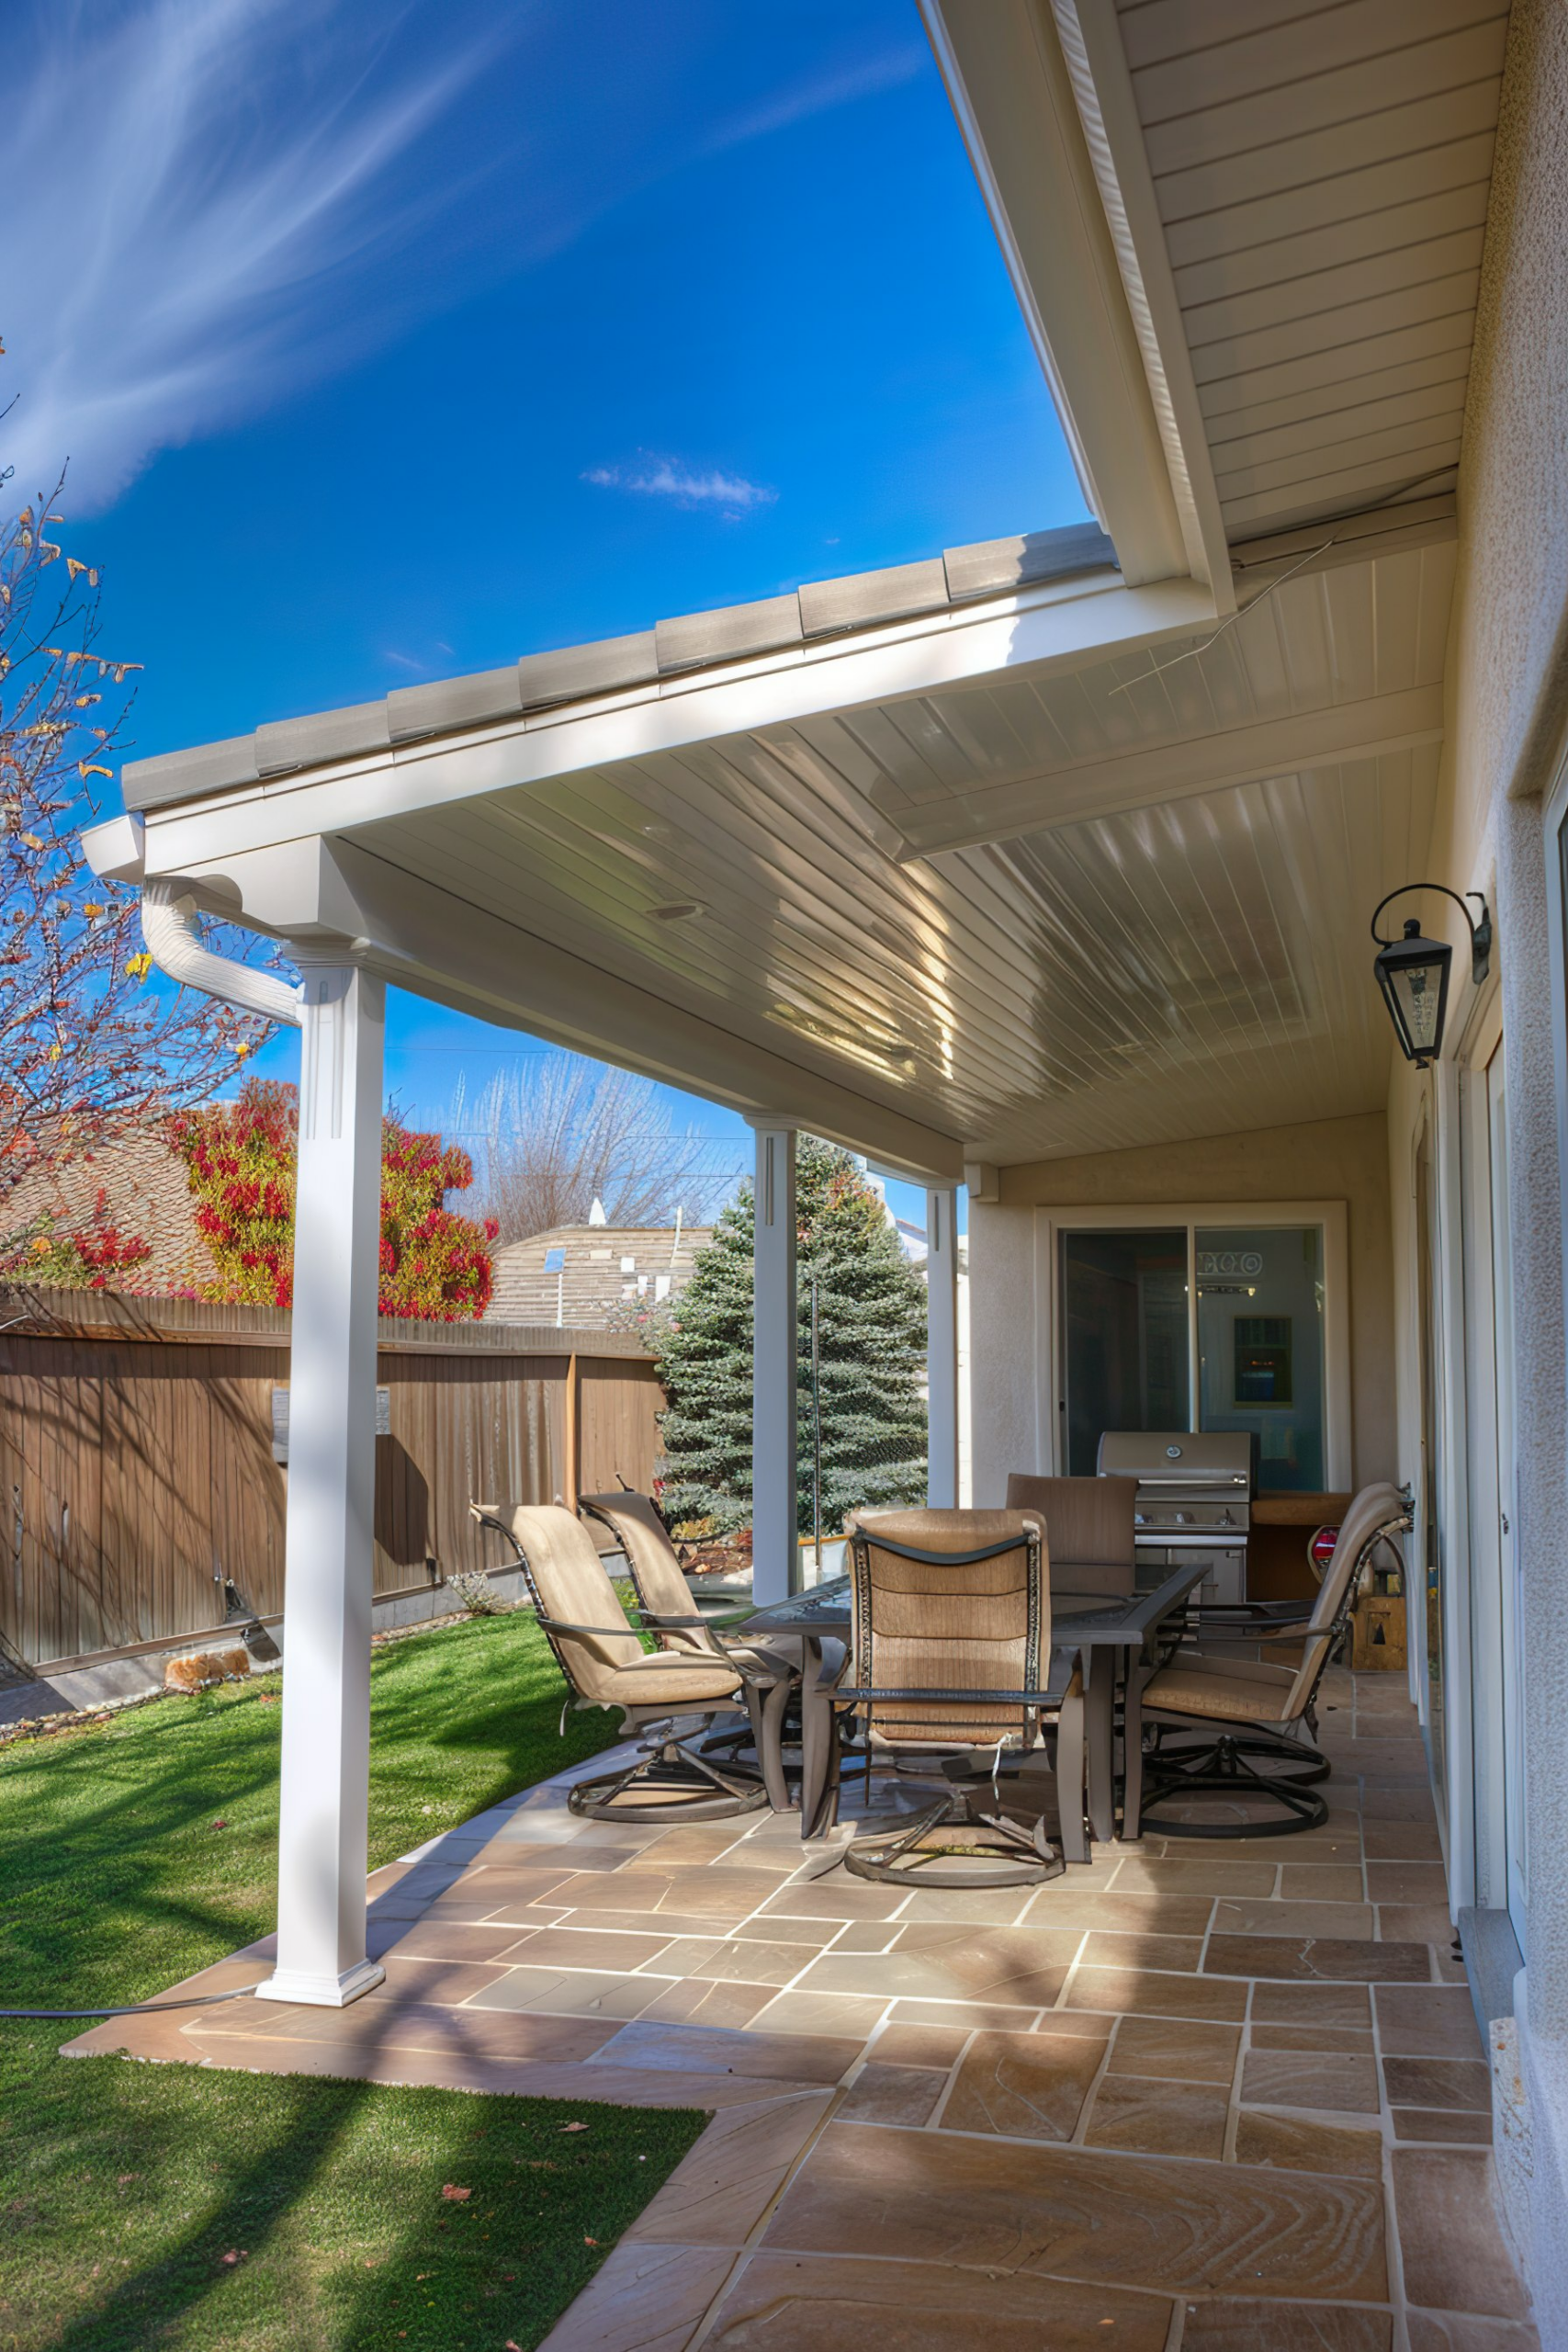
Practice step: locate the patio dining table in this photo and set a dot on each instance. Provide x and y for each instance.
(1107, 1639)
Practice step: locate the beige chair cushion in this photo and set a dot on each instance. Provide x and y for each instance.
(654, 1683)
(662, 1588)
(1245, 1689)
(610, 1668)
(948, 1622)
(1088, 1522)
(1251, 1689)
(656, 1572)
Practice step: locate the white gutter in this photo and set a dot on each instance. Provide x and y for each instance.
(116, 851)
(174, 940)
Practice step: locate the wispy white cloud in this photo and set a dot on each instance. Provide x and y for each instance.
(816, 93)
(684, 485)
(199, 178)
(225, 200)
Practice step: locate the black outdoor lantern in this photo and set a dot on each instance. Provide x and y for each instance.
(1413, 973)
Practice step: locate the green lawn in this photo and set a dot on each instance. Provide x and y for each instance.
(166, 2205)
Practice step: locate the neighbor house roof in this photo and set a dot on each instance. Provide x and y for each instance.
(146, 1192)
(601, 1269)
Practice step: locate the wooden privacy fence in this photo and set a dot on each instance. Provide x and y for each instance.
(138, 1482)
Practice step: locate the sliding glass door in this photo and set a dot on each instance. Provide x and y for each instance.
(1189, 1323)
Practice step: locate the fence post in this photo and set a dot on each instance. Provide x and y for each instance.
(331, 1559)
(775, 1548)
(572, 1480)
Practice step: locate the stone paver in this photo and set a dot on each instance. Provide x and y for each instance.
(1226, 2099)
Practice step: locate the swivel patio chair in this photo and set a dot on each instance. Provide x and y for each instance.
(598, 1651)
(952, 1666)
(1250, 1709)
(1222, 1625)
(1090, 1534)
(683, 1627)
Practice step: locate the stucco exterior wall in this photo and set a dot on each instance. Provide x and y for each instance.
(1507, 669)
(1506, 684)
(1323, 1159)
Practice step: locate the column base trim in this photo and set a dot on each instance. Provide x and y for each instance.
(321, 1991)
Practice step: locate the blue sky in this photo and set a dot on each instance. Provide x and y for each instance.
(389, 343)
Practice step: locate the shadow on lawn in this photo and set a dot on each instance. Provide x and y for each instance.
(135, 1853)
(540, 2214)
(164, 1827)
(149, 2305)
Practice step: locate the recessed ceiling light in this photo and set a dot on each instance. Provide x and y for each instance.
(678, 910)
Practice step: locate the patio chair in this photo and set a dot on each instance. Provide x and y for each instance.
(952, 1665)
(1090, 1534)
(1251, 1708)
(1220, 1625)
(598, 1651)
(681, 1626)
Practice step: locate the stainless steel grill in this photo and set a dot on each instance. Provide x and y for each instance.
(1194, 1498)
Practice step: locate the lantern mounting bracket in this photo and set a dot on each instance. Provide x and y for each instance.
(1479, 933)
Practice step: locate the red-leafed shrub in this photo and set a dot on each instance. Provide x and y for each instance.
(434, 1265)
(89, 1257)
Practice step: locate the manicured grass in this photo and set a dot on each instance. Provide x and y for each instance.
(136, 1853)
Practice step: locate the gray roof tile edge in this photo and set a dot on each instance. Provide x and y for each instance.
(995, 567)
(728, 633)
(185, 776)
(676, 646)
(573, 672)
(446, 704)
(287, 744)
(870, 599)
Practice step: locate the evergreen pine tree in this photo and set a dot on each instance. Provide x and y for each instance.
(871, 1319)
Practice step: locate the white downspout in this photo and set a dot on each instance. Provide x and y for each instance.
(174, 941)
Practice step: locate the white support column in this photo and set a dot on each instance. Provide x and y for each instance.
(331, 1485)
(776, 1549)
(941, 1349)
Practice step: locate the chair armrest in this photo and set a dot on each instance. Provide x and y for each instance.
(918, 1695)
(661, 1658)
(1270, 1612)
(1250, 1621)
(669, 1623)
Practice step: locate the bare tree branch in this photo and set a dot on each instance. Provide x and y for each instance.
(92, 1043)
(548, 1143)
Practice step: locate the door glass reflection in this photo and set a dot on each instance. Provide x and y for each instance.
(1260, 1346)
(1124, 1302)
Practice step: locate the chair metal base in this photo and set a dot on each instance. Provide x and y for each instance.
(1221, 1768)
(1309, 1766)
(670, 1781)
(1005, 1853)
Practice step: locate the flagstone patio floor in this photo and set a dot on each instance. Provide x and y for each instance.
(1223, 2097)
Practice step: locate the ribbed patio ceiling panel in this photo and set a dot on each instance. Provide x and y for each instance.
(1167, 944)
(1321, 174)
